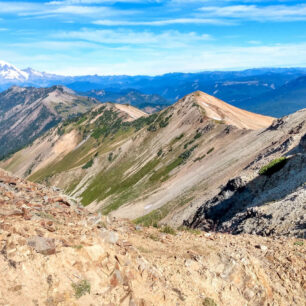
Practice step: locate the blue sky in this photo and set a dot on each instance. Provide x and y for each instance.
(77, 37)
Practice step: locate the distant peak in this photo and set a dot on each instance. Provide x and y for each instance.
(220, 110)
(3, 63)
(10, 72)
(29, 69)
(15, 89)
(63, 89)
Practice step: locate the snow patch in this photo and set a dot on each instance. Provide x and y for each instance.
(10, 72)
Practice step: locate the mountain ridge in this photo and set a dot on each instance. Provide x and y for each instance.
(26, 113)
(135, 168)
(146, 102)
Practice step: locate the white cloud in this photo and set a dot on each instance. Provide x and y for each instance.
(53, 45)
(68, 58)
(206, 58)
(254, 42)
(166, 39)
(60, 9)
(69, 2)
(8, 7)
(258, 13)
(106, 22)
(81, 10)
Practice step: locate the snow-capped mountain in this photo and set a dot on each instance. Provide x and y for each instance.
(11, 73)
(33, 73)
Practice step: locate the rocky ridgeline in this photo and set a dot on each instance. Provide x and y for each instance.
(267, 204)
(53, 252)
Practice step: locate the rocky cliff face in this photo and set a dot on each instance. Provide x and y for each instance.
(53, 252)
(26, 113)
(266, 202)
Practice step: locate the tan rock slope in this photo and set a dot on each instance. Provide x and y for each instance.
(219, 110)
(132, 111)
(53, 252)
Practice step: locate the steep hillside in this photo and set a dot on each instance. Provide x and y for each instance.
(26, 113)
(146, 168)
(72, 135)
(53, 252)
(269, 195)
(285, 100)
(148, 103)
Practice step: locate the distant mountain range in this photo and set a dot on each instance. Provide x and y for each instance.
(148, 103)
(283, 100)
(252, 89)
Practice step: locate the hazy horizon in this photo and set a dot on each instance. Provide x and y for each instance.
(156, 75)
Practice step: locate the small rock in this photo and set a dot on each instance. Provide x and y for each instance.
(138, 228)
(45, 246)
(262, 247)
(116, 279)
(15, 288)
(12, 212)
(109, 236)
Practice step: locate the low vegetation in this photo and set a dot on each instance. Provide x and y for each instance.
(200, 158)
(273, 166)
(81, 288)
(188, 143)
(299, 243)
(179, 137)
(189, 230)
(209, 302)
(88, 164)
(112, 182)
(210, 150)
(154, 237)
(163, 173)
(197, 135)
(168, 230)
(152, 218)
(186, 154)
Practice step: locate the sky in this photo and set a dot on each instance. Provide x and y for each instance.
(151, 37)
